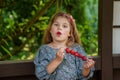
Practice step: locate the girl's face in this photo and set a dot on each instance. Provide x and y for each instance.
(60, 29)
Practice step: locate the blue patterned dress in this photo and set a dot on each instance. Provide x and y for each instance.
(69, 69)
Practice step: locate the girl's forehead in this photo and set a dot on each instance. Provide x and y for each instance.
(60, 18)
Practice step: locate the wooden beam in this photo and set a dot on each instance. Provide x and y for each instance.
(16, 68)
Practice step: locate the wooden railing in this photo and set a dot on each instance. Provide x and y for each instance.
(24, 70)
(17, 70)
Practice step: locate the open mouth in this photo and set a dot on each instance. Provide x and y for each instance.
(59, 33)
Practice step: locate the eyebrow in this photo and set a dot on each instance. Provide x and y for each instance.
(58, 22)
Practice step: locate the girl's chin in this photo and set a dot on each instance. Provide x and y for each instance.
(60, 40)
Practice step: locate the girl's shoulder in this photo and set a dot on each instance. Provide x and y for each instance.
(44, 49)
(79, 48)
(44, 46)
(76, 45)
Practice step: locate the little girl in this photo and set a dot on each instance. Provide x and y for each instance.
(52, 62)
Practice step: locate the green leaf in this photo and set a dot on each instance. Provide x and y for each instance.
(5, 41)
(8, 52)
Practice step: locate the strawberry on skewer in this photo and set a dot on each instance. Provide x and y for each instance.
(84, 58)
(67, 50)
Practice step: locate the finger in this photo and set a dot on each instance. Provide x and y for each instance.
(60, 54)
(63, 54)
(86, 66)
(91, 61)
(90, 64)
(61, 50)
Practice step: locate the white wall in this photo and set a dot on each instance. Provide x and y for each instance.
(116, 40)
(116, 31)
(116, 13)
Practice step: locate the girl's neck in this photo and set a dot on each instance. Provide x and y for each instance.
(58, 45)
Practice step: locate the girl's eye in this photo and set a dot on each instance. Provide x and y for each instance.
(56, 24)
(65, 26)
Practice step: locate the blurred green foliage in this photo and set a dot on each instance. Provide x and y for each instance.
(22, 25)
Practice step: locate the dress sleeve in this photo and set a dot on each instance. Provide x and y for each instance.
(41, 60)
(79, 64)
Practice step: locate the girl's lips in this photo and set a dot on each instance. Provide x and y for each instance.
(59, 33)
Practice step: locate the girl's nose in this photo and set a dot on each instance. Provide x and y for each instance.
(60, 27)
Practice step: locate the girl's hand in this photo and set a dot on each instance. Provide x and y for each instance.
(89, 63)
(60, 54)
(56, 62)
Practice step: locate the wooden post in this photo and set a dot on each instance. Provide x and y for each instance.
(105, 39)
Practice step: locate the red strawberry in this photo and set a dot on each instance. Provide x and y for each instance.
(72, 52)
(75, 54)
(78, 55)
(84, 58)
(67, 50)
